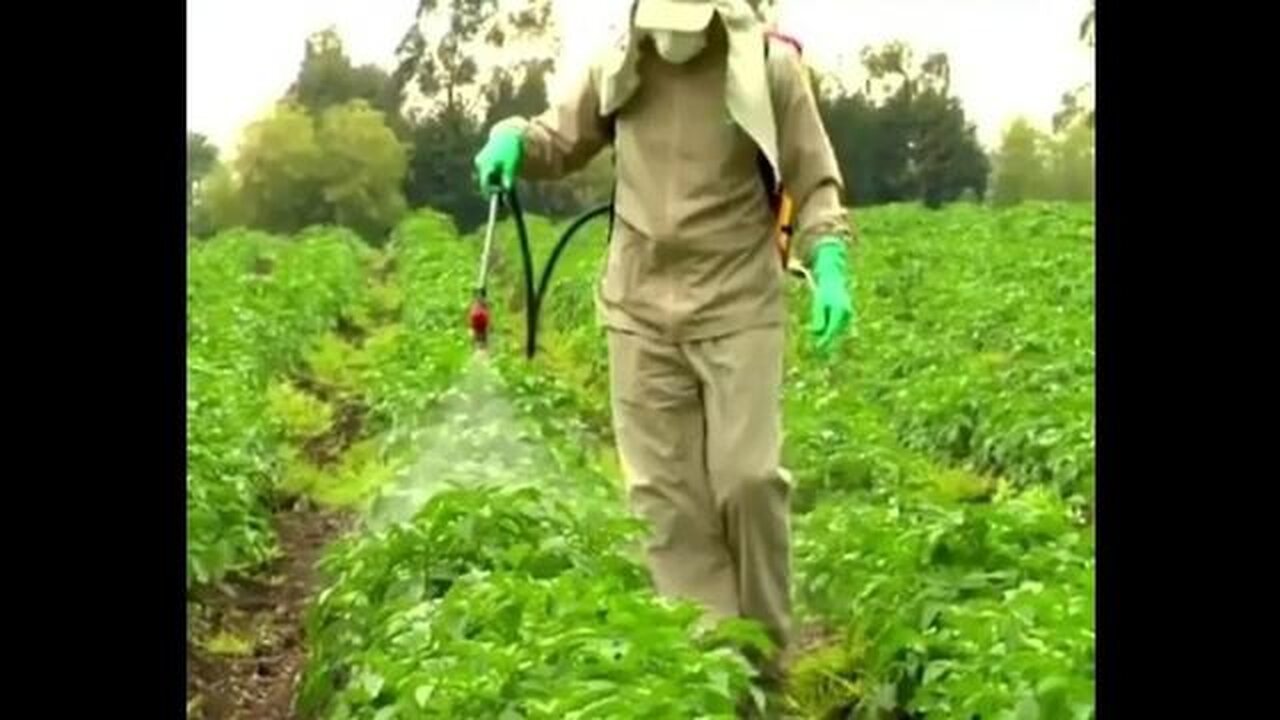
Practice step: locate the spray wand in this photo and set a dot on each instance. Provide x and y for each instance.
(478, 316)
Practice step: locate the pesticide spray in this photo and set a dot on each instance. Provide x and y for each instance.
(474, 435)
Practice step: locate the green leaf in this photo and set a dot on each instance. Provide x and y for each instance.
(372, 684)
(422, 695)
(1027, 709)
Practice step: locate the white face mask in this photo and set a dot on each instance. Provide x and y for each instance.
(678, 47)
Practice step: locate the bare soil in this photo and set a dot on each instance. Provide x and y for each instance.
(264, 615)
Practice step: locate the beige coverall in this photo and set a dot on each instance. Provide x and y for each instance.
(693, 296)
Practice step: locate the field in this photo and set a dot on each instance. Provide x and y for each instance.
(475, 559)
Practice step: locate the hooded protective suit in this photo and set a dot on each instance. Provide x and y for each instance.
(693, 293)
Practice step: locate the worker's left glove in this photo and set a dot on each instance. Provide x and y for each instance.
(832, 311)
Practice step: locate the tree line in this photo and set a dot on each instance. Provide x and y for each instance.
(357, 145)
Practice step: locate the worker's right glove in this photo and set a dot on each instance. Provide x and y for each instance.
(498, 163)
(832, 310)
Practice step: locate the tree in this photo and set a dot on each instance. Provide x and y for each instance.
(852, 125)
(202, 156)
(1071, 105)
(1034, 166)
(891, 60)
(362, 169)
(913, 142)
(220, 205)
(1020, 172)
(1073, 130)
(445, 71)
(440, 170)
(278, 171)
(445, 132)
(292, 171)
(327, 78)
(948, 158)
(1071, 110)
(507, 97)
(1072, 168)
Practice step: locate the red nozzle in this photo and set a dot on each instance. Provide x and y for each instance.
(478, 318)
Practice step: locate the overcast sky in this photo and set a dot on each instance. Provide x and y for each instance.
(1008, 57)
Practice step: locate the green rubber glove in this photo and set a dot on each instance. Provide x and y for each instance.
(498, 163)
(832, 310)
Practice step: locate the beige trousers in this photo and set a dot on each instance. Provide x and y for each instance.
(698, 427)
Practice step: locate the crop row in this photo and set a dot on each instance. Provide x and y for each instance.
(977, 337)
(254, 303)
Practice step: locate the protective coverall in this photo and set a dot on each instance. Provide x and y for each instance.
(692, 296)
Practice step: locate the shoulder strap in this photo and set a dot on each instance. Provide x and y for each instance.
(772, 190)
(781, 37)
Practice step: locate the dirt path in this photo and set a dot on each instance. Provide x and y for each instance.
(245, 650)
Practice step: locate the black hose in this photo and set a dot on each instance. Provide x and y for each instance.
(530, 295)
(533, 296)
(544, 282)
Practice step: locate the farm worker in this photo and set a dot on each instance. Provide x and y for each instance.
(692, 298)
